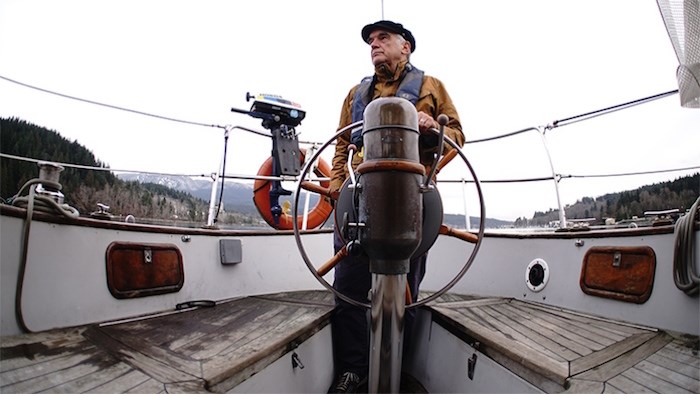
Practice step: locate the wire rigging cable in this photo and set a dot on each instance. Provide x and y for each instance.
(582, 117)
(554, 124)
(614, 108)
(26, 85)
(110, 105)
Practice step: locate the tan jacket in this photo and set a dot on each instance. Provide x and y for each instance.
(433, 100)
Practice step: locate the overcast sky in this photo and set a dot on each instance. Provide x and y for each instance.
(508, 65)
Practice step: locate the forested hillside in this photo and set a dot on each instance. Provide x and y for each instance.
(679, 194)
(83, 189)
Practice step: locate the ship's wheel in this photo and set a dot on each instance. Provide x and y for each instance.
(432, 222)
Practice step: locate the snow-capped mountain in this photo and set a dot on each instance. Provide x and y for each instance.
(237, 196)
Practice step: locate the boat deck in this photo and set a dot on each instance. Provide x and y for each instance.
(214, 349)
(203, 349)
(558, 350)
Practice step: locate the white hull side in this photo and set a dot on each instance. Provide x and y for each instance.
(500, 266)
(66, 284)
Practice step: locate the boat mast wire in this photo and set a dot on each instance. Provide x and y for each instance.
(569, 176)
(582, 117)
(145, 113)
(614, 108)
(110, 105)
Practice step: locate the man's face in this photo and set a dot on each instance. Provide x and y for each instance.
(388, 47)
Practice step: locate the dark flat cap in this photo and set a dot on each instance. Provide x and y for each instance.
(392, 27)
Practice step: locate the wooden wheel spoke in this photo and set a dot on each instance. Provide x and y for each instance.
(461, 234)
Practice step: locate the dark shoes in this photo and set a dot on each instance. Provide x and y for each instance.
(347, 382)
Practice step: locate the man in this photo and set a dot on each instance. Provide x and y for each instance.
(391, 46)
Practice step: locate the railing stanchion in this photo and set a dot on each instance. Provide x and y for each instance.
(467, 222)
(562, 214)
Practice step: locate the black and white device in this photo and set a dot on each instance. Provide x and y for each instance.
(280, 116)
(274, 110)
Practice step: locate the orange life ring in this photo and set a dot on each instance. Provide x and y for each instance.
(261, 197)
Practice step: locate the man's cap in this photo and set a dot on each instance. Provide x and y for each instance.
(392, 27)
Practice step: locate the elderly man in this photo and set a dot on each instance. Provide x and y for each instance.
(391, 46)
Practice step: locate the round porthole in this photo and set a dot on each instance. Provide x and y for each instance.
(537, 275)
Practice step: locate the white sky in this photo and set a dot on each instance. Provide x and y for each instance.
(508, 65)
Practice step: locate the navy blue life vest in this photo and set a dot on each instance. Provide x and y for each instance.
(409, 88)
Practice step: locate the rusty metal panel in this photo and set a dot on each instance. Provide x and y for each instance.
(141, 270)
(620, 273)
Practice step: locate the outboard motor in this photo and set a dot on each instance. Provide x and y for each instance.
(391, 211)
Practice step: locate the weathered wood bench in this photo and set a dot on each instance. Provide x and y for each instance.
(214, 349)
(558, 350)
(201, 349)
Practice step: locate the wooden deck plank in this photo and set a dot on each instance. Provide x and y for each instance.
(149, 386)
(220, 341)
(179, 326)
(134, 380)
(473, 303)
(653, 382)
(152, 351)
(620, 328)
(667, 374)
(448, 297)
(67, 369)
(55, 337)
(611, 368)
(688, 346)
(573, 329)
(606, 336)
(42, 368)
(624, 384)
(211, 322)
(28, 354)
(498, 322)
(547, 334)
(157, 368)
(320, 298)
(289, 317)
(670, 352)
(610, 353)
(688, 370)
(90, 381)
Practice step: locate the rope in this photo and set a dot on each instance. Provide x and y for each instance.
(31, 203)
(684, 274)
(43, 203)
